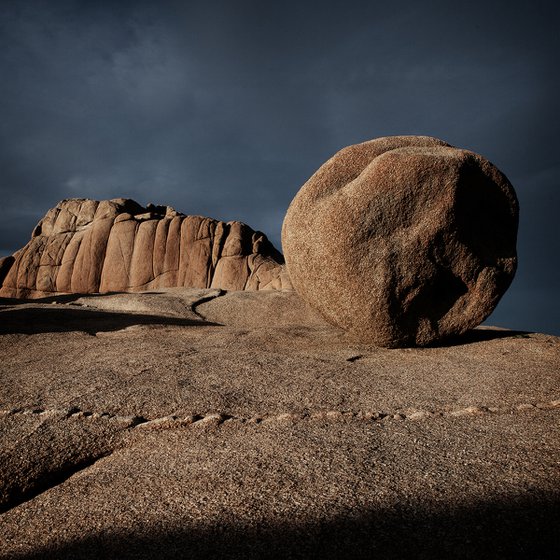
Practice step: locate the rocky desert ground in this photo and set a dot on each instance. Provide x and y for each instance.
(165, 393)
(187, 423)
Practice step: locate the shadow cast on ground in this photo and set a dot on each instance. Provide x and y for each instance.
(479, 335)
(515, 528)
(37, 320)
(69, 318)
(65, 298)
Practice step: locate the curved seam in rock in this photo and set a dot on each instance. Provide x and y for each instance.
(217, 418)
(204, 299)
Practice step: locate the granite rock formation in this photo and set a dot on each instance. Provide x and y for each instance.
(133, 427)
(403, 240)
(87, 246)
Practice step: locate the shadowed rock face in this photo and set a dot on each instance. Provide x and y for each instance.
(87, 246)
(403, 240)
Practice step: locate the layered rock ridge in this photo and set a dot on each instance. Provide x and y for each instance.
(90, 246)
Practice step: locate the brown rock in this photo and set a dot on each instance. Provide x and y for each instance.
(168, 436)
(142, 266)
(89, 260)
(64, 276)
(171, 261)
(87, 246)
(195, 265)
(403, 240)
(119, 248)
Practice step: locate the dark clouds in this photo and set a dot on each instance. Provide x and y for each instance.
(226, 108)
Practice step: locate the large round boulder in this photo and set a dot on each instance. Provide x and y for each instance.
(403, 240)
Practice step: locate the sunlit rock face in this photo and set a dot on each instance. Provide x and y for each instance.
(403, 240)
(90, 246)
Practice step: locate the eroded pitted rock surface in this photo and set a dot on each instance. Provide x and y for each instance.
(87, 246)
(208, 424)
(403, 240)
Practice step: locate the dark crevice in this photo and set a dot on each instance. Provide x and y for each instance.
(137, 420)
(204, 299)
(50, 481)
(354, 358)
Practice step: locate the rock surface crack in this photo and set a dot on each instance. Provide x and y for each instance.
(216, 418)
(52, 479)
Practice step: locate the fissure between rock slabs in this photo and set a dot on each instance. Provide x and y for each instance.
(51, 480)
(219, 418)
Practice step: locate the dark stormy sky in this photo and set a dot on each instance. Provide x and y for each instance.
(226, 108)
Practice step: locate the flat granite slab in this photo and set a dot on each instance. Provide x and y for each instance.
(204, 424)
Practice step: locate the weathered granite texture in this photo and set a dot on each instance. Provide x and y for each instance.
(403, 240)
(87, 246)
(197, 424)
